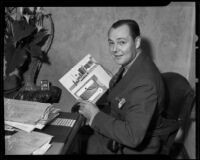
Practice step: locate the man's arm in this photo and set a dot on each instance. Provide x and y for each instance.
(139, 111)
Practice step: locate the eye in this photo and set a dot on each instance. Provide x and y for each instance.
(121, 43)
(110, 43)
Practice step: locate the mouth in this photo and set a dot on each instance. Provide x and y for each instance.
(118, 56)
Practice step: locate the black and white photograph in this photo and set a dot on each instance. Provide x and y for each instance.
(136, 95)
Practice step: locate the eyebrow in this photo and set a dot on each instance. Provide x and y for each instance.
(118, 39)
(121, 38)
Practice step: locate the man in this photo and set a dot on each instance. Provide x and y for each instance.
(133, 104)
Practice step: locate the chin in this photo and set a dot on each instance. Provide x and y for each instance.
(119, 62)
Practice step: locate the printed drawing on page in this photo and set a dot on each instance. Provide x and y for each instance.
(87, 80)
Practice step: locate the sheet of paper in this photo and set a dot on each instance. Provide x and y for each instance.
(22, 126)
(41, 124)
(42, 150)
(23, 143)
(24, 111)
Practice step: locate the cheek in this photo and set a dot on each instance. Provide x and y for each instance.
(128, 52)
(128, 55)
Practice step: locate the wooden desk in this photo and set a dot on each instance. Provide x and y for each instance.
(63, 136)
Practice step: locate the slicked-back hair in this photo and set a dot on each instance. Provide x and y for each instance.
(133, 27)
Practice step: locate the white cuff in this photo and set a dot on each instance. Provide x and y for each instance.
(91, 119)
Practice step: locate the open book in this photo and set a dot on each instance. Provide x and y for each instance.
(87, 80)
(27, 115)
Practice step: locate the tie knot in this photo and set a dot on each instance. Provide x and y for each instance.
(117, 77)
(121, 70)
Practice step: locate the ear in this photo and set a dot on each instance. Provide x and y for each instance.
(137, 42)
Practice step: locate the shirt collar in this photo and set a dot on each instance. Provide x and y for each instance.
(130, 64)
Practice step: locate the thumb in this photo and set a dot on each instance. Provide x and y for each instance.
(80, 111)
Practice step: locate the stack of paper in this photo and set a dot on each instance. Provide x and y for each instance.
(27, 115)
(23, 143)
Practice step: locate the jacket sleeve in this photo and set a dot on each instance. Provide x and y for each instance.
(131, 131)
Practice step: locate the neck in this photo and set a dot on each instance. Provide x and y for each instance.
(132, 61)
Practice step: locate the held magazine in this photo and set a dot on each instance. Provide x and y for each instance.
(87, 80)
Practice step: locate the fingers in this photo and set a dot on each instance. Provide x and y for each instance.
(84, 102)
(80, 101)
(80, 111)
(84, 106)
(81, 108)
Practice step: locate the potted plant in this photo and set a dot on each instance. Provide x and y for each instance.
(26, 43)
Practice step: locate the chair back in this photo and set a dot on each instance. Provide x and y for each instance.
(179, 96)
(179, 102)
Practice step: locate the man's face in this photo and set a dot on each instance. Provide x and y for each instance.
(121, 45)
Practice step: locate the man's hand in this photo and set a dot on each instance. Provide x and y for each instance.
(88, 110)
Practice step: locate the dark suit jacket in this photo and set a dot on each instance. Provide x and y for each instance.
(134, 103)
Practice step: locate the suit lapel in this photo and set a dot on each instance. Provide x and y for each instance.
(128, 78)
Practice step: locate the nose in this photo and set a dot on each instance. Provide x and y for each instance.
(114, 48)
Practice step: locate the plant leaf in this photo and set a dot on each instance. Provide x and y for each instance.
(35, 51)
(9, 50)
(15, 60)
(22, 29)
(39, 36)
(43, 41)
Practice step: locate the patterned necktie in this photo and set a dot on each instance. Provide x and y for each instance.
(117, 77)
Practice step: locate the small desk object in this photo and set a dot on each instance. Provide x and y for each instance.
(63, 131)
